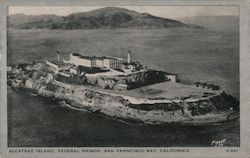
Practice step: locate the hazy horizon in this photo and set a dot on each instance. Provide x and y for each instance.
(177, 12)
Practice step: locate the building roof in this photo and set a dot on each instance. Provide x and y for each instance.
(91, 70)
(87, 57)
(59, 63)
(96, 57)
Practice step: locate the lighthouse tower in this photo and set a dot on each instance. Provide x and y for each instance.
(129, 56)
(58, 56)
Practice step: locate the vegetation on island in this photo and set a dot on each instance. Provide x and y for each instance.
(109, 17)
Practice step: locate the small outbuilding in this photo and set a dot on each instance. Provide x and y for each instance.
(58, 65)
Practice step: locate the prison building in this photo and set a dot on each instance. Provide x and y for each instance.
(78, 59)
(94, 61)
(112, 62)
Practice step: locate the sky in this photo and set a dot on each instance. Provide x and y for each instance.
(176, 12)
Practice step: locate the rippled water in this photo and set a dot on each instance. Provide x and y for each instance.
(42, 122)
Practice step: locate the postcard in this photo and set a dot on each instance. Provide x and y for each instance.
(125, 79)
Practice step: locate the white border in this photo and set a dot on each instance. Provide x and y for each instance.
(194, 152)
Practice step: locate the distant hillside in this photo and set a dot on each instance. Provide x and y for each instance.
(21, 21)
(215, 22)
(109, 17)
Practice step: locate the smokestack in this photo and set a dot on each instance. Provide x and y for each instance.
(58, 55)
(129, 56)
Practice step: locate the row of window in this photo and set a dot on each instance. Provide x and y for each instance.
(113, 63)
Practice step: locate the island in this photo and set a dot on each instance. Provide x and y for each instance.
(125, 90)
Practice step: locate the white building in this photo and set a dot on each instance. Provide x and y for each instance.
(65, 74)
(58, 65)
(94, 61)
(99, 63)
(172, 77)
(78, 59)
(73, 70)
(114, 63)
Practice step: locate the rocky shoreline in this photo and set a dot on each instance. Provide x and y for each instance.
(200, 111)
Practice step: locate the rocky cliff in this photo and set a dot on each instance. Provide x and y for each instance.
(205, 110)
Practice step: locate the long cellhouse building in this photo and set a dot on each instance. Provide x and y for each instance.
(94, 61)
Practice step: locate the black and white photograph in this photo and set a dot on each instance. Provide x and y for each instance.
(123, 77)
